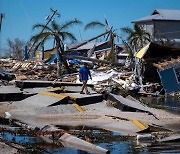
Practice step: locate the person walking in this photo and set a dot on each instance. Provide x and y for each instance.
(84, 74)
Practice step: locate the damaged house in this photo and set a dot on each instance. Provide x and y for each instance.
(89, 48)
(163, 25)
(154, 56)
(98, 50)
(169, 73)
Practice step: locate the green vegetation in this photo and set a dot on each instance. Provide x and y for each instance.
(59, 33)
(137, 37)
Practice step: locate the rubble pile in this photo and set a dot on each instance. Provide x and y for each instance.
(27, 70)
(105, 77)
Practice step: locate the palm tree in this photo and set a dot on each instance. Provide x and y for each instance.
(59, 33)
(128, 48)
(137, 37)
(112, 35)
(94, 24)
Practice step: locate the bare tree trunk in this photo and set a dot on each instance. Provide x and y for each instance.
(60, 58)
(111, 56)
(59, 69)
(64, 59)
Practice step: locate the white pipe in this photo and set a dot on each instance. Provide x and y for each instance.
(72, 141)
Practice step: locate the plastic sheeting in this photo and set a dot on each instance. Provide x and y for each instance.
(142, 52)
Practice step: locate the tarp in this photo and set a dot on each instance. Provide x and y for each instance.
(142, 52)
(73, 61)
(54, 58)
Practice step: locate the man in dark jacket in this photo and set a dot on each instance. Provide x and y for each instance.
(84, 74)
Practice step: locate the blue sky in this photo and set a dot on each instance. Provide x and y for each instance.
(21, 15)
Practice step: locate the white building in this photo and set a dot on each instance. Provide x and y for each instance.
(162, 23)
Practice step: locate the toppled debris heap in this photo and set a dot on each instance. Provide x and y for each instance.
(28, 70)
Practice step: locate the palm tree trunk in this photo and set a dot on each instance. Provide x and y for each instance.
(59, 69)
(111, 56)
(60, 59)
(64, 60)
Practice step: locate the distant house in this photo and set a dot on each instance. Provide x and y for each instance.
(95, 46)
(162, 23)
(47, 54)
(121, 54)
(100, 49)
(169, 72)
(89, 49)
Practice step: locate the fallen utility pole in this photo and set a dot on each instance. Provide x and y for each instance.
(81, 44)
(2, 15)
(93, 60)
(54, 12)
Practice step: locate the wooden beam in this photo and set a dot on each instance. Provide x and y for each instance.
(93, 60)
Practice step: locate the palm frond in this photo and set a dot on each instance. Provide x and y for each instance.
(68, 35)
(70, 23)
(46, 28)
(42, 41)
(128, 48)
(94, 24)
(127, 30)
(37, 46)
(108, 35)
(45, 38)
(138, 29)
(39, 36)
(55, 26)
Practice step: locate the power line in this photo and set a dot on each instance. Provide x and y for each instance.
(49, 19)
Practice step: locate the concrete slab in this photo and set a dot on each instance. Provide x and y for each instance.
(77, 89)
(33, 91)
(10, 93)
(32, 83)
(43, 111)
(39, 83)
(171, 138)
(94, 115)
(127, 104)
(109, 111)
(38, 101)
(122, 126)
(83, 99)
(100, 108)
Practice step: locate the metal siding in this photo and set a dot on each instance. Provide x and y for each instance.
(169, 80)
(170, 14)
(147, 26)
(169, 29)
